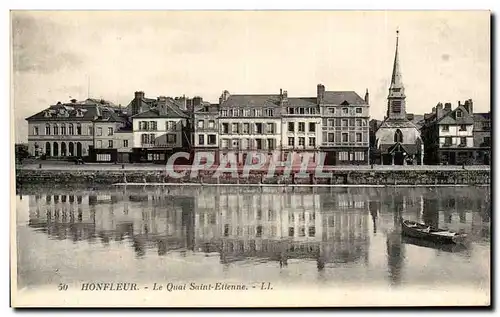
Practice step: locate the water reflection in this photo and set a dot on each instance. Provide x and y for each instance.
(332, 228)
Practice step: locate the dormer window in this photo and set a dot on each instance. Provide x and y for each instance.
(459, 113)
(345, 110)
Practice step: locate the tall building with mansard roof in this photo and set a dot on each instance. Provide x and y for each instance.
(398, 140)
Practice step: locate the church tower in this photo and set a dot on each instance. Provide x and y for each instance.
(396, 103)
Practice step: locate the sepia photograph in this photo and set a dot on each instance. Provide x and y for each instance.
(250, 158)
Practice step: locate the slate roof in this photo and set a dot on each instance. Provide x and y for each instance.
(397, 123)
(451, 117)
(302, 101)
(342, 97)
(481, 117)
(251, 101)
(68, 112)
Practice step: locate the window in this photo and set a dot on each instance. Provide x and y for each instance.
(152, 126)
(291, 141)
(152, 138)
(331, 137)
(258, 128)
(35, 130)
(345, 122)
(201, 139)
(78, 129)
(55, 129)
(459, 113)
(445, 128)
(343, 156)
(398, 136)
(225, 128)
(302, 141)
(345, 137)
(90, 130)
(359, 110)
(487, 140)
(463, 127)
(201, 124)
(396, 106)
(70, 129)
(312, 127)
(211, 124)
(235, 128)
(246, 128)
(110, 131)
(110, 143)
(125, 143)
(291, 231)
(171, 138)
(270, 144)
(359, 156)
(224, 113)
(259, 144)
(291, 111)
(99, 144)
(359, 137)
(331, 122)
(269, 112)
(358, 122)
(212, 139)
(291, 127)
(312, 231)
(312, 141)
(225, 143)
(270, 128)
(330, 110)
(463, 141)
(301, 110)
(302, 232)
(99, 131)
(447, 141)
(345, 110)
(302, 127)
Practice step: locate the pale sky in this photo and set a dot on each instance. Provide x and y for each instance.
(445, 56)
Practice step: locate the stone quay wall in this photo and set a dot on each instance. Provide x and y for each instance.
(338, 177)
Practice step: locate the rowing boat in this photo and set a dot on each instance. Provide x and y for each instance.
(422, 231)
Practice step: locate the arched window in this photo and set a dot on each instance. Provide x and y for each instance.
(55, 129)
(70, 129)
(398, 136)
(63, 129)
(63, 149)
(78, 149)
(47, 148)
(56, 149)
(78, 129)
(47, 129)
(71, 149)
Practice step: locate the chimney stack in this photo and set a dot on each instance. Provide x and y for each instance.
(447, 107)
(320, 94)
(367, 97)
(136, 104)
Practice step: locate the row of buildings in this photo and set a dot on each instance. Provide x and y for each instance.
(336, 123)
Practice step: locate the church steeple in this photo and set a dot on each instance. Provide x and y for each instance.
(396, 107)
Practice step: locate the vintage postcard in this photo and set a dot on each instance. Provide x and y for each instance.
(251, 158)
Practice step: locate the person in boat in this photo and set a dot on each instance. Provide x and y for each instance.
(427, 230)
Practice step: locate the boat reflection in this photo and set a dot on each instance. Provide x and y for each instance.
(448, 247)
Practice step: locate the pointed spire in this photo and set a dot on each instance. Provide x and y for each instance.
(396, 80)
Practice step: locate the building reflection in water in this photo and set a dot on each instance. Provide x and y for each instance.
(330, 228)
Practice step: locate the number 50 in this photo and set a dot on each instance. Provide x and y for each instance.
(62, 287)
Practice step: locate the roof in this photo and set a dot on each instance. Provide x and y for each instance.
(343, 97)
(397, 123)
(207, 108)
(74, 112)
(252, 101)
(408, 148)
(169, 112)
(482, 116)
(451, 117)
(302, 101)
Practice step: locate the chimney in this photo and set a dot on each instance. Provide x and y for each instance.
(136, 104)
(439, 110)
(197, 101)
(468, 106)
(73, 100)
(223, 98)
(320, 95)
(447, 107)
(367, 97)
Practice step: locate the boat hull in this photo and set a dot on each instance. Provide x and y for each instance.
(417, 233)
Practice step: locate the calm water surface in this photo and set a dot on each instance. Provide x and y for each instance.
(310, 237)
